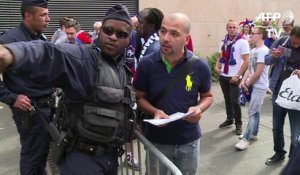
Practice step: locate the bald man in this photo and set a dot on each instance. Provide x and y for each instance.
(178, 140)
(231, 67)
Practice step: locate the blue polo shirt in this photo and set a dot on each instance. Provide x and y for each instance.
(152, 77)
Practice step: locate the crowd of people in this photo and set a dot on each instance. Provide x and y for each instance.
(250, 62)
(145, 59)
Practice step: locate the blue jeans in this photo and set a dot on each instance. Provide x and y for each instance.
(252, 127)
(231, 94)
(257, 97)
(185, 157)
(279, 114)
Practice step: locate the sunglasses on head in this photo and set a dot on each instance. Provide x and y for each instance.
(108, 30)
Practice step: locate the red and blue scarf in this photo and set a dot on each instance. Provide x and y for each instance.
(227, 52)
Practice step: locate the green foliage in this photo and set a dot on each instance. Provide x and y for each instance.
(212, 59)
(273, 24)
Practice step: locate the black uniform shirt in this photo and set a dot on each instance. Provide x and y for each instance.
(16, 84)
(68, 66)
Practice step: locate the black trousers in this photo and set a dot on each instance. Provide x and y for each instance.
(231, 94)
(34, 142)
(81, 163)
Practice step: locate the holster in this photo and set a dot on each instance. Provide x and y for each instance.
(59, 150)
(28, 118)
(60, 144)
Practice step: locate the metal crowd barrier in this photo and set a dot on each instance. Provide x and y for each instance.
(140, 154)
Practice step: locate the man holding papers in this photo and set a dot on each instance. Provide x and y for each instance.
(179, 140)
(173, 117)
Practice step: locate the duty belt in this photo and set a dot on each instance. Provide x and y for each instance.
(45, 102)
(93, 149)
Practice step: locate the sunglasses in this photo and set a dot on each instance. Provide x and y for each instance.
(108, 30)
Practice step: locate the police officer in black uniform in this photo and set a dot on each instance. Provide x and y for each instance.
(20, 94)
(97, 110)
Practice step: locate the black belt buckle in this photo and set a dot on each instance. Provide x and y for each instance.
(91, 148)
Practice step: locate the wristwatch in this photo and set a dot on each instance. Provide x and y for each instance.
(239, 76)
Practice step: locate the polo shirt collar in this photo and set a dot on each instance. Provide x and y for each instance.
(187, 55)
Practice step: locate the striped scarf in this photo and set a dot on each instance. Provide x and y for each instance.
(152, 38)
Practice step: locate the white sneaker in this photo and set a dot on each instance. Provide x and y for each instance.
(252, 138)
(242, 145)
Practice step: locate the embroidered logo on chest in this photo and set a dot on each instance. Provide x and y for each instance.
(189, 82)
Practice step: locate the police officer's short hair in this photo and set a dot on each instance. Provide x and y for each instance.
(29, 6)
(25, 9)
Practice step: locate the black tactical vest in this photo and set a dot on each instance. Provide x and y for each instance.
(107, 116)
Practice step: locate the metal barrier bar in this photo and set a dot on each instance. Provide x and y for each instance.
(161, 157)
(124, 168)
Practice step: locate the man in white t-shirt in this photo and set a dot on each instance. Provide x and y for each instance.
(255, 78)
(232, 64)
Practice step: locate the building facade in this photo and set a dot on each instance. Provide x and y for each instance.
(209, 17)
(85, 11)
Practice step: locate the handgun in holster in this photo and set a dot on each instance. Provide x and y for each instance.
(28, 118)
(60, 144)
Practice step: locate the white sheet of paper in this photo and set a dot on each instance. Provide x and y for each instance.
(173, 117)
